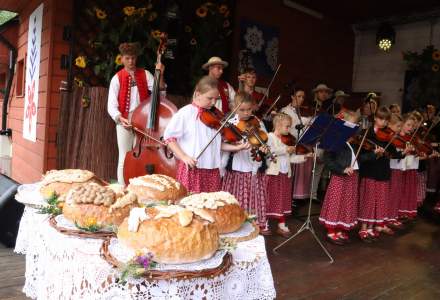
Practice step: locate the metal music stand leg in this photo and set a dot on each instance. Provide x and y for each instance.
(308, 223)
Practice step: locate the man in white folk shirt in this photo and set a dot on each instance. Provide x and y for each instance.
(128, 88)
(215, 66)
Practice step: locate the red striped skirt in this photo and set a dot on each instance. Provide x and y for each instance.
(408, 200)
(396, 188)
(340, 207)
(198, 180)
(250, 191)
(373, 196)
(421, 187)
(302, 179)
(279, 195)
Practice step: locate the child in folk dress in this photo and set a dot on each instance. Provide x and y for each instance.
(245, 177)
(374, 185)
(186, 136)
(279, 183)
(339, 212)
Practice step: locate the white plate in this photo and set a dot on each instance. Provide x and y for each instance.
(245, 230)
(29, 194)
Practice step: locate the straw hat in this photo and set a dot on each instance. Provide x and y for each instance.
(322, 87)
(341, 93)
(215, 60)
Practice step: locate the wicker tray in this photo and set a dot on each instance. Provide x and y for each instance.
(247, 231)
(80, 233)
(170, 274)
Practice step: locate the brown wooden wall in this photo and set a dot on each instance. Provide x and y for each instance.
(29, 159)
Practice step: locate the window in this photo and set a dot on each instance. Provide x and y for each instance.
(21, 76)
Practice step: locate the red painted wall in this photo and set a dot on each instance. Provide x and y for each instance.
(310, 49)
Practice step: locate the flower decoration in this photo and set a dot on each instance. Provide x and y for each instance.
(80, 62)
(202, 12)
(100, 14)
(91, 224)
(193, 42)
(254, 39)
(226, 24)
(436, 55)
(271, 52)
(152, 16)
(188, 28)
(435, 67)
(223, 9)
(138, 266)
(129, 10)
(79, 82)
(118, 60)
(53, 206)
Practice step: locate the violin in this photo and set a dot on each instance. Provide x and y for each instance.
(256, 137)
(290, 140)
(214, 118)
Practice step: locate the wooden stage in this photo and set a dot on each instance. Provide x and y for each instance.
(406, 266)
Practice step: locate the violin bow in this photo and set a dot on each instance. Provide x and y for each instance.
(434, 123)
(266, 94)
(220, 129)
(148, 135)
(364, 137)
(271, 107)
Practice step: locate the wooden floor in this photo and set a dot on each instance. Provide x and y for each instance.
(405, 266)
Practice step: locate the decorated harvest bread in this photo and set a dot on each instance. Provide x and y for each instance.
(223, 206)
(101, 205)
(61, 181)
(156, 188)
(172, 233)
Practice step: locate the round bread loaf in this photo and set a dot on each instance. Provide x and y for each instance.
(171, 233)
(61, 181)
(222, 206)
(156, 188)
(90, 204)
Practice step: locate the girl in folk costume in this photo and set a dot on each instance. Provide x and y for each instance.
(225, 100)
(302, 173)
(396, 182)
(409, 165)
(186, 136)
(279, 182)
(421, 170)
(245, 177)
(375, 175)
(128, 88)
(339, 212)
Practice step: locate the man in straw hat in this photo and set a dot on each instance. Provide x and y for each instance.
(215, 66)
(322, 94)
(338, 101)
(128, 88)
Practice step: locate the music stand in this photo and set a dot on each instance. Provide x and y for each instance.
(329, 134)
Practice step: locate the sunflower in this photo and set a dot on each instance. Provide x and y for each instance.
(226, 23)
(435, 67)
(91, 221)
(202, 11)
(193, 42)
(141, 11)
(129, 10)
(155, 34)
(152, 16)
(118, 60)
(436, 55)
(79, 82)
(80, 62)
(100, 14)
(188, 28)
(223, 9)
(226, 14)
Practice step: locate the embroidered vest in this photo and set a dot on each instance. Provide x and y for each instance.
(125, 89)
(224, 95)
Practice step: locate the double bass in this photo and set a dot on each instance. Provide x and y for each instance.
(149, 120)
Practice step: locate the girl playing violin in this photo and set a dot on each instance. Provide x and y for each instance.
(186, 136)
(279, 183)
(375, 172)
(302, 173)
(245, 177)
(339, 212)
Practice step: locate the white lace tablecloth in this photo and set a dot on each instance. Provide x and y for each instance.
(65, 267)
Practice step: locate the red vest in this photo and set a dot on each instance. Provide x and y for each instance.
(224, 95)
(125, 89)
